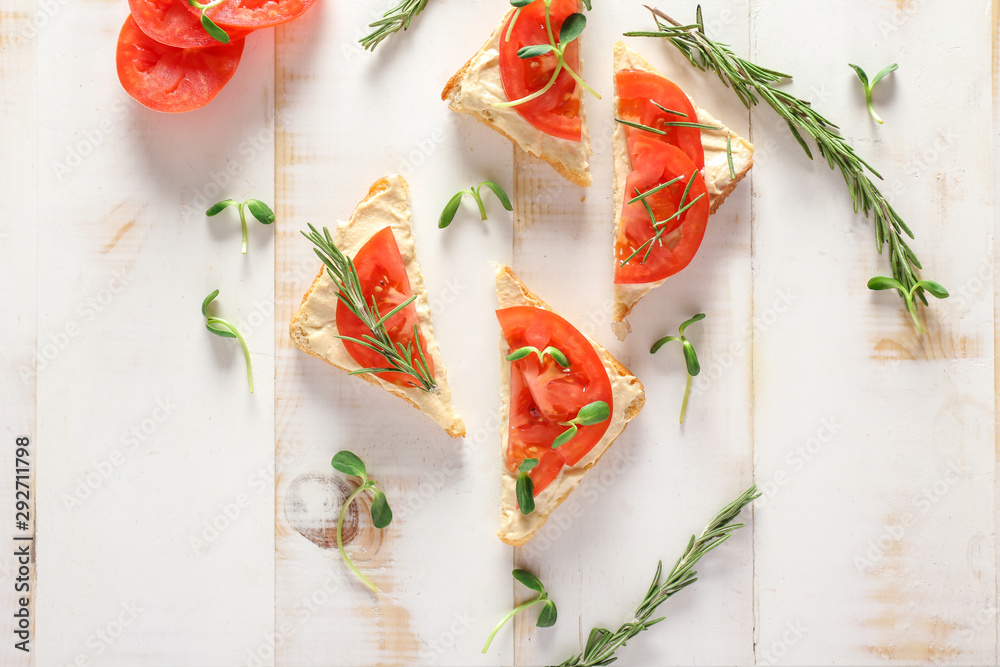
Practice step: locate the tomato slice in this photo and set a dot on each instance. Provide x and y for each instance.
(171, 22)
(557, 112)
(543, 394)
(654, 163)
(383, 276)
(637, 92)
(252, 14)
(170, 79)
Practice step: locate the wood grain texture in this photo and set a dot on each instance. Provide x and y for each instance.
(19, 336)
(661, 481)
(877, 446)
(442, 572)
(155, 501)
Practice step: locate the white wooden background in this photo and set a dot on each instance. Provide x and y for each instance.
(171, 502)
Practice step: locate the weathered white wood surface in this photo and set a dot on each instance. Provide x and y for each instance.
(159, 540)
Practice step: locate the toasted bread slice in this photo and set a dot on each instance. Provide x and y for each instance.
(314, 326)
(718, 178)
(477, 87)
(628, 398)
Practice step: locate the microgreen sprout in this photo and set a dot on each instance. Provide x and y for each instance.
(546, 617)
(210, 26)
(225, 329)
(690, 357)
(351, 464)
(590, 414)
(571, 29)
(525, 488)
(554, 352)
(261, 211)
(886, 71)
(934, 289)
(448, 214)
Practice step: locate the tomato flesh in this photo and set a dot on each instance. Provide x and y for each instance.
(255, 13)
(543, 394)
(383, 275)
(557, 112)
(170, 79)
(657, 159)
(637, 90)
(171, 22)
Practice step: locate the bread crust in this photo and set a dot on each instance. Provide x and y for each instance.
(451, 92)
(456, 429)
(541, 514)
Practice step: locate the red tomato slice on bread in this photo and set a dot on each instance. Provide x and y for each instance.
(171, 22)
(655, 163)
(383, 276)
(557, 112)
(171, 79)
(543, 394)
(640, 92)
(253, 14)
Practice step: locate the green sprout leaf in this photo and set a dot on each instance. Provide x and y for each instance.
(524, 489)
(883, 282)
(534, 51)
(529, 580)
(217, 33)
(869, 87)
(593, 413)
(565, 437)
(936, 290)
(219, 207)
(451, 208)
(589, 415)
(261, 211)
(350, 463)
(572, 28)
(381, 513)
(690, 356)
(501, 195)
(547, 616)
(557, 355)
(521, 3)
(527, 465)
(226, 329)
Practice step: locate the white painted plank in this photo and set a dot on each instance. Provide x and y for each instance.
(877, 537)
(18, 338)
(661, 481)
(158, 535)
(442, 570)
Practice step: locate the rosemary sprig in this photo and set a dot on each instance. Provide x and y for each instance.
(602, 643)
(396, 19)
(753, 83)
(660, 226)
(399, 358)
